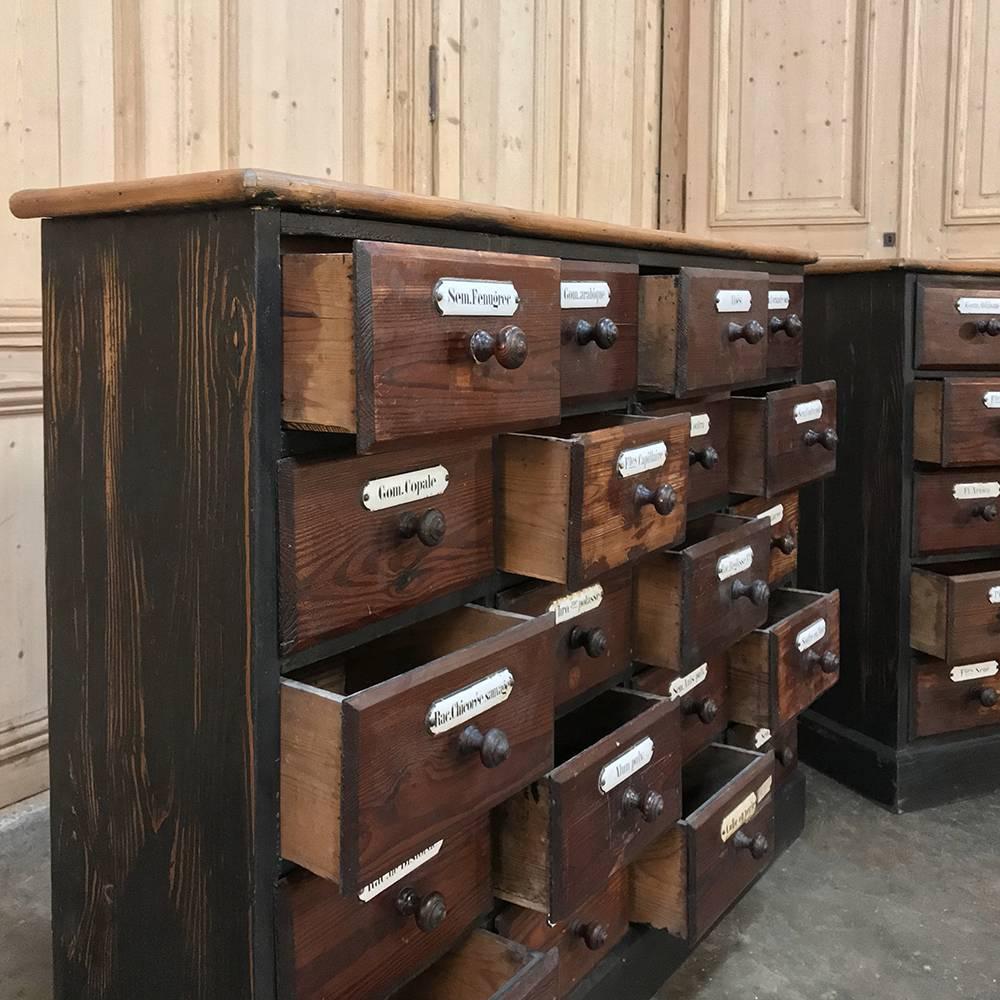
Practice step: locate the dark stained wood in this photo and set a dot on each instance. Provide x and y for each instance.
(658, 294)
(783, 515)
(946, 338)
(784, 335)
(784, 742)
(952, 424)
(344, 566)
(862, 266)
(955, 611)
(942, 523)
(943, 704)
(158, 338)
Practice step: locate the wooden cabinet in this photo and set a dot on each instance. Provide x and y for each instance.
(782, 513)
(956, 421)
(955, 610)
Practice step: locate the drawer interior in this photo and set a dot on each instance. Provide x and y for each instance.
(710, 528)
(596, 720)
(786, 602)
(710, 772)
(587, 423)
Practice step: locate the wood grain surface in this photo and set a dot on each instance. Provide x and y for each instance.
(784, 353)
(952, 616)
(952, 424)
(658, 303)
(941, 705)
(783, 564)
(945, 338)
(943, 524)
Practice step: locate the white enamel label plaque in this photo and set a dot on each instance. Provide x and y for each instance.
(379, 494)
(761, 737)
(975, 491)
(994, 595)
(682, 685)
(626, 765)
(806, 412)
(458, 707)
(701, 424)
(972, 671)
(733, 300)
(475, 297)
(584, 294)
(991, 400)
(394, 875)
(968, 306)
(778, 299)
(734, 562)
(810, 635)
(578, 603)
(636, 460)
(773, 514)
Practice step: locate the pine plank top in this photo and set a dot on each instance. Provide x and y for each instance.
(307, 194)
(905, 264)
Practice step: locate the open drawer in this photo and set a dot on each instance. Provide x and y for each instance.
(782, 513)
(384, 746)
(955, 610)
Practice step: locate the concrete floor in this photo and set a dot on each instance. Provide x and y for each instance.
(866, 906)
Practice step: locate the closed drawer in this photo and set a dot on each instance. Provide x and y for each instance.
(957, 326)
(383, 747)
(364, 538)
(367, 943)
(955, 611)
(598, 303)
(583, 939)
(615, 787)
(702, 329)
(708, 447)
(784, 323)
(779, 670)
(784, 743)
(592, 637)
(783, 438)
(395, 342)
(589, 495)
(486, 966)
(956, 421)
(702, 696)
(952, 698)
(696, 601)
(688, 878)
(954, 511)
(782, 513)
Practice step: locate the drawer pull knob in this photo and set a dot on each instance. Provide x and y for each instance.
(429, 910)
(757, 845)
(827, 438)
(650, 804)
(791, 324)
(604, 332)
(707, 458)
(593, 640)
(492, 746)
(595, 936)
(987, 697)
(785, 544)
(989, 326)
(987, 511)
(509, 347)
(663, 498)
(786, 756)
(429, 527)
(828, 662)
(758, 591)
(752, 332)
(705, 708)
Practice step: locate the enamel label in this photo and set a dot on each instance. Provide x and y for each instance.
(779, 299)
(976, 491)
(681, 685)
(733, 300)
(977, 307)
(734, 562)
(636, 460)
(774, 514)
(391, 877)
(475, 297)
(994, 595)
(741, 815)
(810, 635)
(764, 790)
(626, 765)
(805, 412)
(460, 706)
(700, 424)
(584, 294)
(760, 738)
(578, 603)
(378, 494)
(991, 400)
(970, 671)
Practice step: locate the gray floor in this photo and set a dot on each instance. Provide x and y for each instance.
(866, 906)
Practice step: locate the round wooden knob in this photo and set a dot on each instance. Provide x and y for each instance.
(492, 746)
(604, 332)
(828, 662)
(705, 708)
(593, 640)
(429, 527)
(752, 332)
(429, 910)
(785, 544)
(509, 347)
(791, 325)
(827, 438)
(595, 936)
(758, 591)
(650, 805)
(987, 697)
(757, 845)
(786, 756)
(663, 498)
(989, 326)
(707, 458)
(987, 511)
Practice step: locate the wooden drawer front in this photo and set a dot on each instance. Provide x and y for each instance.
(331, 945)
(616, 786)
(955, 611)
(951, 698)
(695, 332)
(687, 879)
(565, 511)
(695, 602)
(956, 421)
(784, 742)
(369, 350)
(344, 565)
(583, 939)
(592, 637)
(784, 322)
(949, 338)
(782, 513)
(486, 966)
(779, 670)
(956, 510)
(702, 695)
(783, 439)
(708, 447)
(379, 745)
(599, 342)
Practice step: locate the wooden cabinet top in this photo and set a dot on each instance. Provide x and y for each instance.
(247, 186)
(905, 264)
